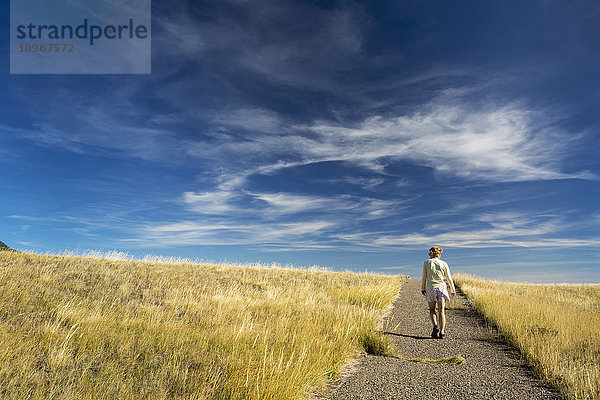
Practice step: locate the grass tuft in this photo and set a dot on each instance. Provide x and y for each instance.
(376, 344)
(459, 360)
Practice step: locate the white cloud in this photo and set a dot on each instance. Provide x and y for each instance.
(189, 226)
(287, 231)
(252, 119)
(498, 145)
(323, 42)
(283, 203)
(209, 202)
(298, 235)
(323, 234)
(275, 205)
(500, 230)
(494, 145)
(25, 217)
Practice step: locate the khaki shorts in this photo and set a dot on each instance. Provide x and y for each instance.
(437, 294)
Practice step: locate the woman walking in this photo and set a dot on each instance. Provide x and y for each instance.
(436, 274)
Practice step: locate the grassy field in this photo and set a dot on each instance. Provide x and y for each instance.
(88, 328)
(556, 327)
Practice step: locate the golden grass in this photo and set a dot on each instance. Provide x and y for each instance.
(556, 328)
(88, 328)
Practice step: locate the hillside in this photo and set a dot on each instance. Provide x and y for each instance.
(74, 327)
(4, 247)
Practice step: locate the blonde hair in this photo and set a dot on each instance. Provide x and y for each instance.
(435, 251)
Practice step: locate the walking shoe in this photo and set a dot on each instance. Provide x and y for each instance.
(434, 334)
(442, 335)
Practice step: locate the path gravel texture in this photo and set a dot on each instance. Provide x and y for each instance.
(493, 370)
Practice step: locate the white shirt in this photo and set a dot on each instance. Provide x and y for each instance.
(435, 275)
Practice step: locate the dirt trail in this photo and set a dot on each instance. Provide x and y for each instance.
(492, 371)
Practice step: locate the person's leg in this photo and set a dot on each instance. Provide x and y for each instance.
(441, 316)
(432, 315)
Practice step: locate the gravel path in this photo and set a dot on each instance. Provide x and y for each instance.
(492, 371)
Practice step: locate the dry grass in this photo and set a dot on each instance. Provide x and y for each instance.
(88, 328)
(456, 359)
(556, 327)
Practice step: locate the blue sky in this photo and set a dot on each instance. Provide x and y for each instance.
(343, 134)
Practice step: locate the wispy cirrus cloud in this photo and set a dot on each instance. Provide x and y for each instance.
(497, 144)
(480, 144)
(277, 204)
(311, 55)
(209, 202)
(446, 130)
(454, 139)
(272, 206)
(299, 235)
(508, 230)
(283, 203)
(485, 230)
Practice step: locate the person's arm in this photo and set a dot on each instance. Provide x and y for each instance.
(450, 281)
(424, 278)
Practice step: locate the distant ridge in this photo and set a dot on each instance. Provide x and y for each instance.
(4, 247)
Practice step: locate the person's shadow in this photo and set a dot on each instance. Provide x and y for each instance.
(407, 336)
